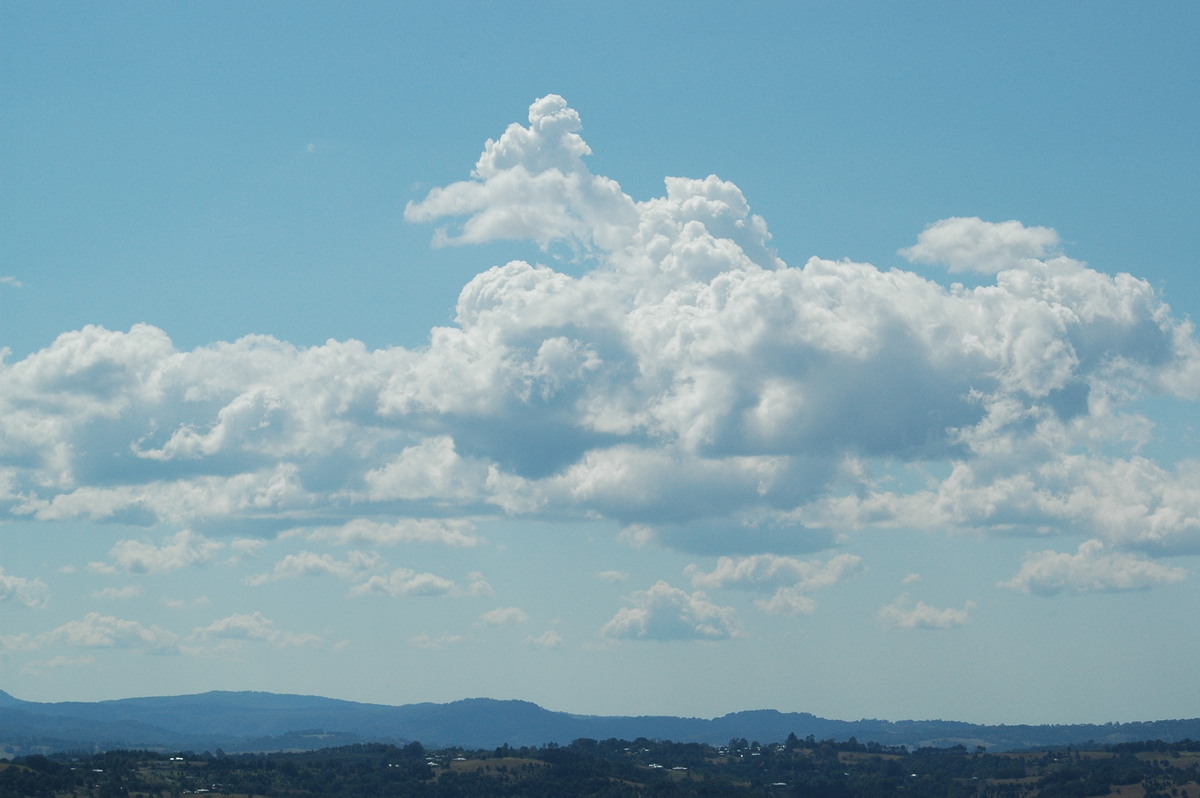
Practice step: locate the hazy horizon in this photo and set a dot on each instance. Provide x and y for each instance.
(678, 361)
(568, 711)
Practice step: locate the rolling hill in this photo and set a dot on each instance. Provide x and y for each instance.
(257, 721)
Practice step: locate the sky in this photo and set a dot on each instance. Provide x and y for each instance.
(684, 359)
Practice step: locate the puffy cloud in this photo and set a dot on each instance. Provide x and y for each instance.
(247, 547)
(89, 373)
(790, 579)
(687, 384)
(107, 631)
(971, 244)
(667, 613)
(769, 570)
(179, 551)
(1131, 502)
(21, 642)
(1090, 568)
(403, 582)
(251, 627)
(478, 586)
(249, 495)
(547, 640)
(904, 614)
(30, 592)
(531, 183)
(307, 563)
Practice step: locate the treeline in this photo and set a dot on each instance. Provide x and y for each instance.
(617, 768)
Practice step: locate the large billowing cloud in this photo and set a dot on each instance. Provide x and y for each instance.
(689, 386)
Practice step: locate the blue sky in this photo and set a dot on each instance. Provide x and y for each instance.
(365, 352)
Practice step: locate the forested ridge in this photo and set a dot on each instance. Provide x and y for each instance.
(262, 722)
(619, 768)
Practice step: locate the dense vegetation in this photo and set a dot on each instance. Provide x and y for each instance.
(619, 768)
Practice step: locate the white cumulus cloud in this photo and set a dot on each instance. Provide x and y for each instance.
(107, 631)
(24, 590)
(252, 626)
(664, 612)
(404, 582)
(1091, 567)
(307, 563)
(971, 244)
(547, 640)
(179, 551)
(903, 613)
(682, 382)
(789, 578)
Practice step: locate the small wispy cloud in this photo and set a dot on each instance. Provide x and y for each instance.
(546, 641)
(37, 666)
(904, 614)
(126, 592)
(613, 576)
(425, 640)
(504, 616)
(184, 604)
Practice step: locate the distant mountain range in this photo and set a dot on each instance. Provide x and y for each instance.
(252, 721)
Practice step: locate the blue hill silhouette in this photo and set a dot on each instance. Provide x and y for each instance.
(258, 721)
